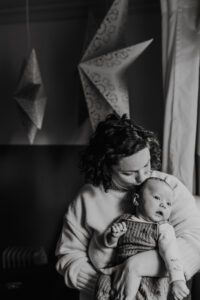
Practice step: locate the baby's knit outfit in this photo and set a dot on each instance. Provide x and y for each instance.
(143, 236)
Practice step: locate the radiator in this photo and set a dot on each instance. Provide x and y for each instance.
(23, 257)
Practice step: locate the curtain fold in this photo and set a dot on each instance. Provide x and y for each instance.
(180, 59)
(198, 153)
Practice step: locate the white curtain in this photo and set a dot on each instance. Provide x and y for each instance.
(180, 53)
(197, 162)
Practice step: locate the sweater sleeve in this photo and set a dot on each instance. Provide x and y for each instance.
(168, 250)
(73, 262)
(185, 218)
(100, 255)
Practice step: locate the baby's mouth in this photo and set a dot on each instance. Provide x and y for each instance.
(159, 213)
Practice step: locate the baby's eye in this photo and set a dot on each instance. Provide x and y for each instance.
(169, 204)
(156, 197)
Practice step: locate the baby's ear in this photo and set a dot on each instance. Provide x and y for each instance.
(135, 199)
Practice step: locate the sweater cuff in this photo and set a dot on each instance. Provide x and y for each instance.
(176, 275)
(81, 276)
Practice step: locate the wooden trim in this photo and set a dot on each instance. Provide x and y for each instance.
(44, 10)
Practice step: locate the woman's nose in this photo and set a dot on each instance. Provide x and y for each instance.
(141, 176)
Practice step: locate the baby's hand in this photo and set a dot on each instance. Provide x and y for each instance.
(113, 233)
(179, 289)
(118, 229)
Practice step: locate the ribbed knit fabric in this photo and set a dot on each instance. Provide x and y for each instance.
(150, 289)
(103, 287)
(154, 288)
(139, 237)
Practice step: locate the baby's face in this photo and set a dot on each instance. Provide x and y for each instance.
(155, 203)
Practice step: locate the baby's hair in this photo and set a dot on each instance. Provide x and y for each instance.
(140, 188)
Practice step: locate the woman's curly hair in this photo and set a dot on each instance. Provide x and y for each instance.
(113, 139)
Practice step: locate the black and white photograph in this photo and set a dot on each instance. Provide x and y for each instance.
(100, 149)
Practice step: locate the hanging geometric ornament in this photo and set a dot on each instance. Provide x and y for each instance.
(103, 65)
(91, 28)
(30, 95)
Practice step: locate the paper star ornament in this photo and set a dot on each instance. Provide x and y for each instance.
(30, 97)
(102, 67)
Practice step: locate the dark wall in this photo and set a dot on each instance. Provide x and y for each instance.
(58, 47)
(36, 185)
(37, 182)
(58, 37)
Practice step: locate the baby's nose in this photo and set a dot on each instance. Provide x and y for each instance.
(163, 204)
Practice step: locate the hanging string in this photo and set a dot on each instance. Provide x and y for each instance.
(28, 27)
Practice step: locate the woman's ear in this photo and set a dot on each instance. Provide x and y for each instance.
(135, 199)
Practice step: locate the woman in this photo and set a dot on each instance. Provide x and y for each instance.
(121, 155)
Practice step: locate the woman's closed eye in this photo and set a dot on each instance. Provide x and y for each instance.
(146, 171)
(127, 173)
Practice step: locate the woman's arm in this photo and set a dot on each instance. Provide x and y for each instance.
(102, 246)
(100, 255)
(185, 218)
(147, 263)
(73, 262)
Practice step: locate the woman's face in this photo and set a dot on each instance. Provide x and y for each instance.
(132, 170)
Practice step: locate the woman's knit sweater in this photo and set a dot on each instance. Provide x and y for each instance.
(94, 210)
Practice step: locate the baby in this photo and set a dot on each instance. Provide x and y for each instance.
(147, 229)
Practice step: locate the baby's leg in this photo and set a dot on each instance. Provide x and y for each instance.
(136, 284)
